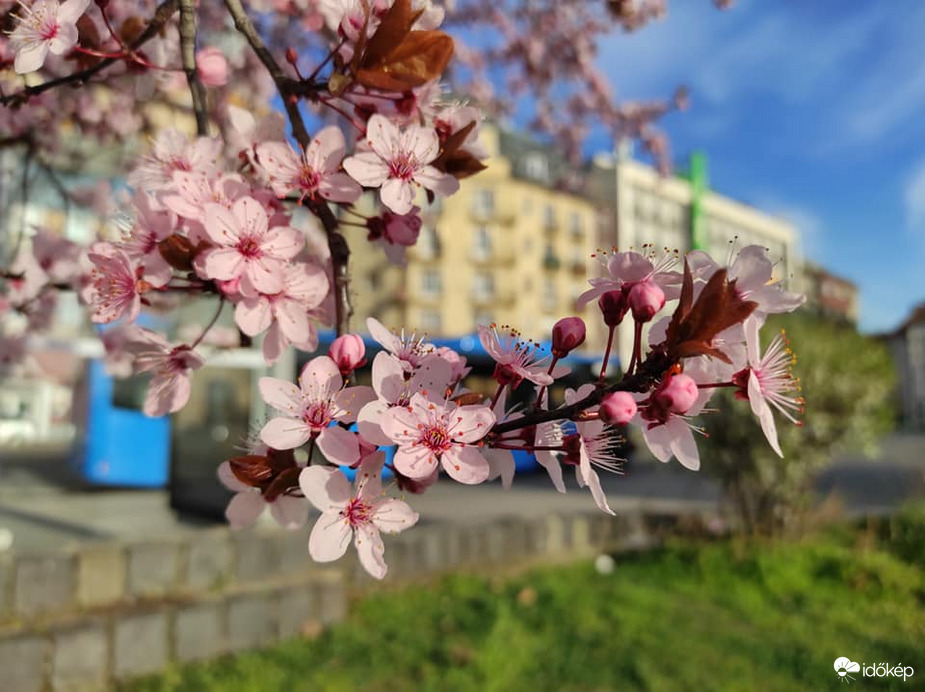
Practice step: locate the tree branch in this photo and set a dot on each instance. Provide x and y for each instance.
(188, 54)
(290, 89)
(162, 14)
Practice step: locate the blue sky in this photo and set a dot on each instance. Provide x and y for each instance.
(811, 110)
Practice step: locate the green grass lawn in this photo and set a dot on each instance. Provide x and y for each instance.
(707, 616)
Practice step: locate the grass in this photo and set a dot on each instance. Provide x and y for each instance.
(707, 616)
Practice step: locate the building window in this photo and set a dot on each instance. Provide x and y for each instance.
(575, 224)
(550, 295)
(482, 242)
(536, 167)
(428, 245)
(431, 282)
(483, 202)
(483, 286)
(431, 321)
(549, 217)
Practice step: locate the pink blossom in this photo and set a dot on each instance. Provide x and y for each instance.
(115, 289)
(395, 232)
(193, 191)
(427, 433)
(455, 117)
(596, 446)
(645, 300)
(172, 151)
(399, 160)
(212, 67)
(618, 408)
(309, 409)
(567, 335)
(349, 352)
(458, 364)
(517, 360)
(42, 28)
(667, 431)
(172, 368)
(248, 503)
(768, 381)
(246, 132)
(676, 393)
(32, 279)
(627, 269)
(394, 386)
(287, 312)
(316, 173)
(152, 225)
(58, 257)
(411, 350)
(361, 514)
(248, 248)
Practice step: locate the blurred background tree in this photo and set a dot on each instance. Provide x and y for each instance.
(848, 381)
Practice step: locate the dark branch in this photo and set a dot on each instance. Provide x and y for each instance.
(188, 54)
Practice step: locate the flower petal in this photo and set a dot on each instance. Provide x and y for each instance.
(329, 538)
(326, 488)
(285, 433)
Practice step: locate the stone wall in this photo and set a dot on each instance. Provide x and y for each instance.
(102, 612)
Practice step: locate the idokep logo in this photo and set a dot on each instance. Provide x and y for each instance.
(844, 666)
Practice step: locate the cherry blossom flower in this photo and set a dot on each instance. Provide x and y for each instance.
(517, 360)
(172, 151)
(665, 425)
(152, 225)
(248, 248)
(309, 409)
(248, 503)
(768, 381)
(628, 269)
(361, 514)
(427, 433)
(752, 270)
(193, 191)
(287, 313)
(394, 386)
(316, 173)
(172, 368)
(58, 257)
(411, 350)
(395, 232)
(397, 161)
(114, 292)
(349, 352)
(212, 67)
(42, 28)
(596, 446)
(246, 132)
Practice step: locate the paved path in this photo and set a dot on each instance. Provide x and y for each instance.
(41, 508)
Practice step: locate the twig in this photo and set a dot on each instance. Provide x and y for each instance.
(188, 54)
(162, 14)
(289, 89)
(221, 304)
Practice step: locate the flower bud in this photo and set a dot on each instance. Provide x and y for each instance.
(349, 352)
(212, 67)
(677, 393)
(567, 335)
(645, 300)
(613, 306)
(618, 408)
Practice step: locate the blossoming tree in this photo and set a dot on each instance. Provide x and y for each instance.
(212, 215)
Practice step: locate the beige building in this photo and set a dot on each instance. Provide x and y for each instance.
(507, 248)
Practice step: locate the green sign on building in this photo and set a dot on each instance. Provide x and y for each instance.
(700, 183)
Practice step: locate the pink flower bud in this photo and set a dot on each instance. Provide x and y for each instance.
(618, 408)
(349, 352)
(567, 335)
(677, 393)
(645, 300)
(231, 287)
(212, 67)
(613, 306)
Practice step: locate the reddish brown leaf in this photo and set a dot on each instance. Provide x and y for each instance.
(454, 159)
(420, 58)
(287, 480)
(391, 33)
(252, 470)
(695, 324)
(131, 29)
